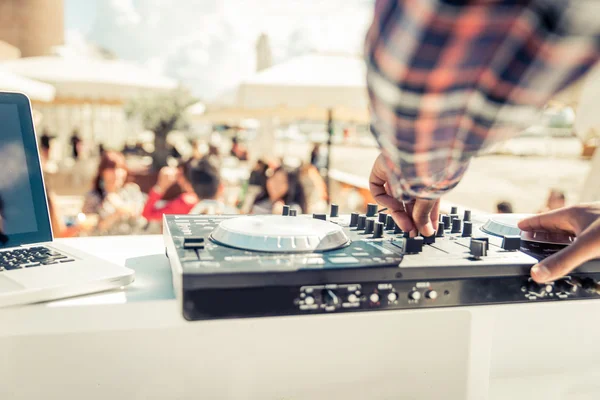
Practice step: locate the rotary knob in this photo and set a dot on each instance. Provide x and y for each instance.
(293, 212)
(371, 209)
(432, 295)
(378, 231)
(286, 210)
(389, 223)
(467, 215)
(440, 231)
(456, 225)
(467, 229)
(382, 217)
(447, 222)
(392, 296)
(454, 210)
(362, 221)
(414, 295)
(369, 226)
(334, 212)
(374, 298)
(353, 220)
(352, 298)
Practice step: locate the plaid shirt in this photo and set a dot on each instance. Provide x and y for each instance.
(447, 78)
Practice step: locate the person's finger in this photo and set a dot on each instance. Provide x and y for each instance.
(422, 216)
(411, 228)
(554, 221)
(403, 220)
(586, 247)
(435, 214)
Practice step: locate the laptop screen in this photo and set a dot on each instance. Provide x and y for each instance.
(23, 208)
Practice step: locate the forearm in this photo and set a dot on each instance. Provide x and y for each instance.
(446, 80)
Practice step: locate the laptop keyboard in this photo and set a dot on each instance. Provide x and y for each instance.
(31, 257)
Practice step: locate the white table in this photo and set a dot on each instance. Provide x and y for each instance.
(134, 344)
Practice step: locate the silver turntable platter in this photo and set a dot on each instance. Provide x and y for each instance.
(279, 234)
(504, 224)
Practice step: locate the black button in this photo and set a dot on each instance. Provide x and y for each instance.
(413, 245)
(511, 242)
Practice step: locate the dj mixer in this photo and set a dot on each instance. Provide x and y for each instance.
(270, 265)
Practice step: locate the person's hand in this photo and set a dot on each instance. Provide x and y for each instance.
(420, 215)
(583, 221)
(166, 178)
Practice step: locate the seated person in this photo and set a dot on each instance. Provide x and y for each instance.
(116, 203)
(201, 186)
(504, 207)
(282, 188)
(556, 200)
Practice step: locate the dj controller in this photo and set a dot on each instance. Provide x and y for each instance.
(270, 265)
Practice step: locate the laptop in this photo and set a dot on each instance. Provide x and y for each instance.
(33, 267)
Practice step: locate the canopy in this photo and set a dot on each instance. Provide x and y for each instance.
(90, 78)
(306, 87)
(35, 90)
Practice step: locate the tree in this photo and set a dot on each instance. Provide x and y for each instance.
(161, 114)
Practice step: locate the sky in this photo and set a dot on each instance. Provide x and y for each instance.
(209, 45)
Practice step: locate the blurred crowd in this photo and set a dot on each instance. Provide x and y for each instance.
(120, 201)
(117, 203)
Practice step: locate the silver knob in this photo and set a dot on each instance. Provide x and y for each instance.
(309, 300)
(374, 298)
(432, 294)
(415, 295)
(392, 296)
(353, 298)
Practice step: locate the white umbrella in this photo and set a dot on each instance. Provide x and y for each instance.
(90, 78)
(35, 90)
(306, 87)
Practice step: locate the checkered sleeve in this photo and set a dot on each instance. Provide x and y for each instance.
(448, 78)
